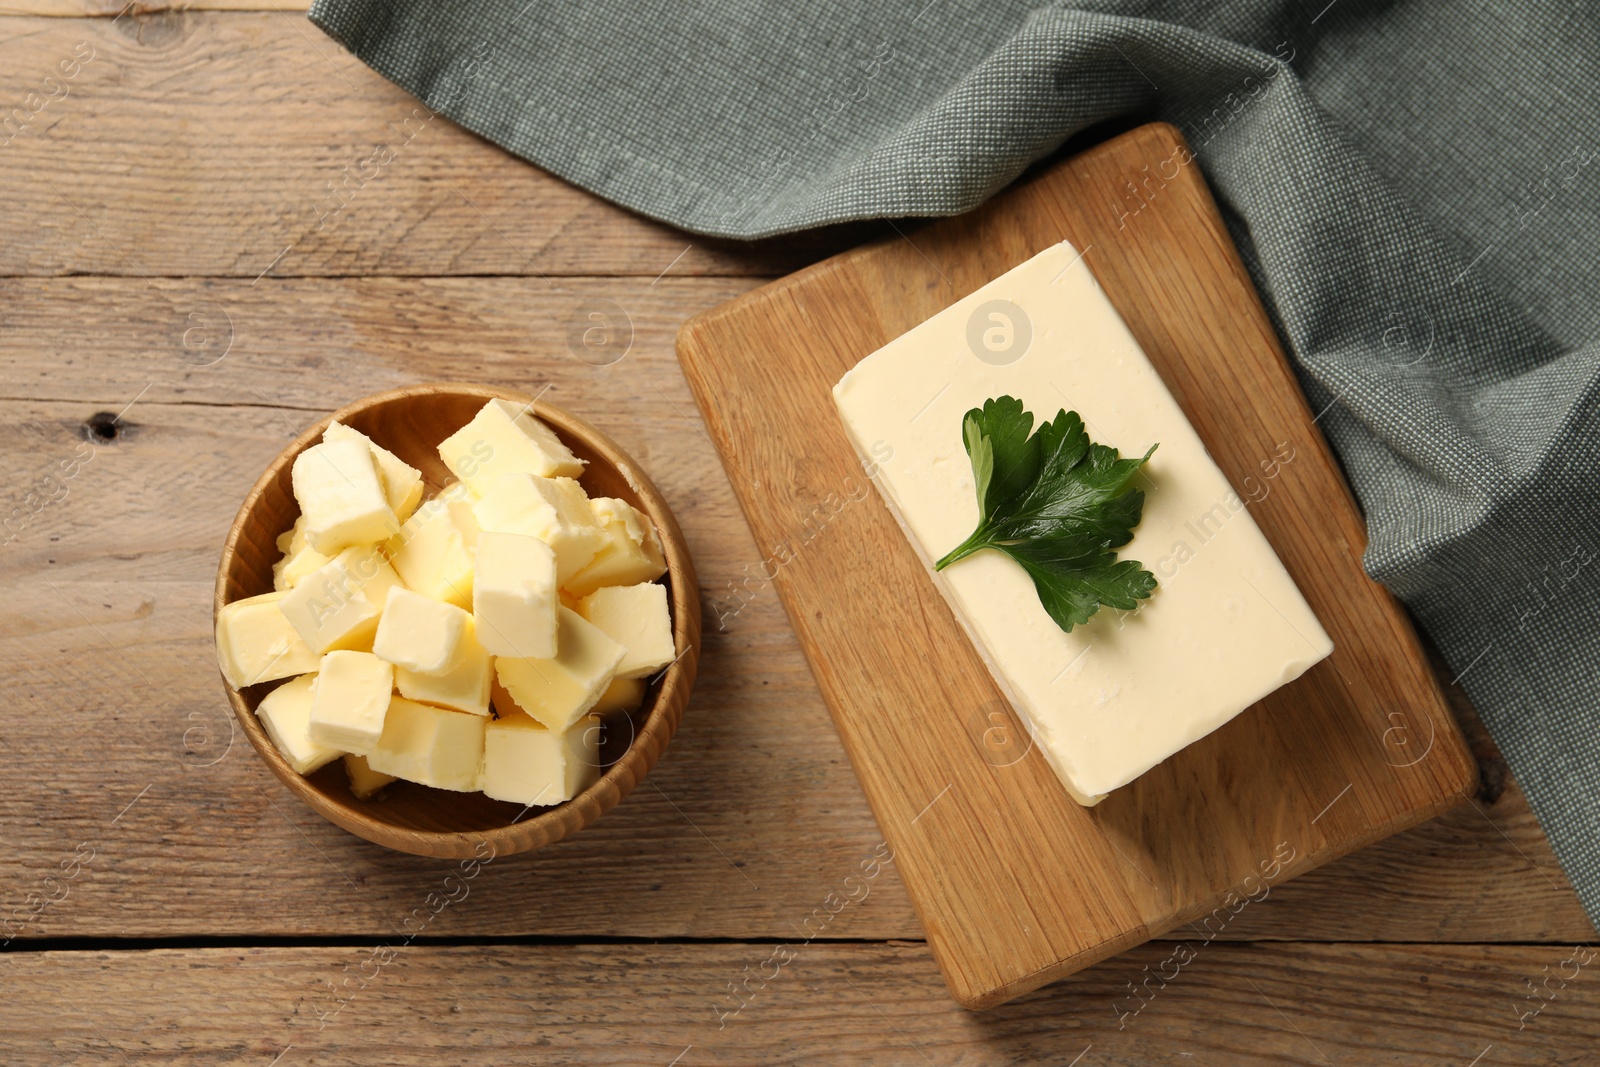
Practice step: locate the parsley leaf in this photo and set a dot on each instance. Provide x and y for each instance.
(1058, 504)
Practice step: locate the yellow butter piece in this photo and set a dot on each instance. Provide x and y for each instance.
(637, 618)
(364, 781)
(555, 510)
(524, 762)
(419, 633)
(433, 552)
(402, 483)
(1123, 692)
(338, 605)
(514, 599)
(503, 438)
(430, 746)
(341, 496)
(285, 714)
(629, 554)
(623, 694)
(464, 686)
(256, 643)
(299, 558)
(350, 699)
(559, 691)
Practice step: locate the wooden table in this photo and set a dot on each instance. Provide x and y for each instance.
(175, 308)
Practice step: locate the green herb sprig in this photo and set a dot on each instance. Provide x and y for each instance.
(1058, 504)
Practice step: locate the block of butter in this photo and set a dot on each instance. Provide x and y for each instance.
(503, 438)
(554, 510)
(341, 496)
(419, 633)
(558, 691)
(257, 643)
(430, 746)
(299, 558)
(463, 685)
(637, 618)
(433, 552)
(339, 604)
(629, 554)
(526, 763)
(402, 483)
(350, 700)
(1116, 696)
(285, 714)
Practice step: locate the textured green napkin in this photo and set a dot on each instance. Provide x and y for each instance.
(1411, 184)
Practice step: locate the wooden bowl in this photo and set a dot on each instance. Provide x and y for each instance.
(434, 822)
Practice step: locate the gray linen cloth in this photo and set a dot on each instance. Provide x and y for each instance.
(1410, 183)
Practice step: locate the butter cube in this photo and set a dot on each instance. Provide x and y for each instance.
(364, 781)
(623, 694)
(559, 691)
(402, 483)
(433, 552)
(285, 714)
(526, 763)
(255, 643)
(350, 700)
(514, 599)
(464, 686)
(503, 438)
(630, 553)
(299, 558)
(555, 510)
(419, 633)
(338, 605)
(636, 617)
(430, 746)
(341, 496)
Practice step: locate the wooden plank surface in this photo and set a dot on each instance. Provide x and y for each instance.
(1294, 1003)
(201, 139)
(132, 544)
(1015, 883)
(205, 142)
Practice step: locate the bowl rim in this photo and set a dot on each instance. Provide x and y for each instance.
(652, 732)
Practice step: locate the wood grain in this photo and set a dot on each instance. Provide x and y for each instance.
(203, 143)
(1016, 884)
(131, 8)
(1303, 1004)
(756, 768)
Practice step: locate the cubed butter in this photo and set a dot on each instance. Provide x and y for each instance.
(1123, 692)
(430, 746)
(285, 714)
(364, 781)
(255, 643)
(559, 691)
(514, 598)
(419, 633)
(341, 496)
(525, 762)
(339, 604)
(433, 552)
(504, 438)
(402, 483)
(350, 700)
(629, 554)
(623, 694)
(635, 617)
(299, 558)
(555, 510)
(464, 686)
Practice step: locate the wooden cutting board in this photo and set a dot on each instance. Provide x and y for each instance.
(1017, 885)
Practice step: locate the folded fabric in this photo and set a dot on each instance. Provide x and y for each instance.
(1411, 185)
